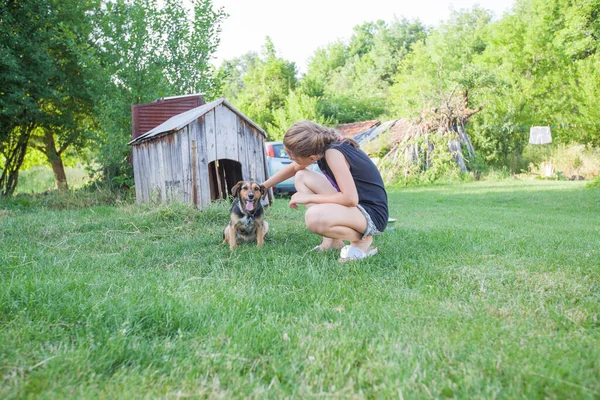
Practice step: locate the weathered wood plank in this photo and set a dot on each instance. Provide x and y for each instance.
(186, 168)
(210, 135)
(198, 134)
(161, 171)
(242, 155)
(142, 174)
(155, 153)
(178, 165)
(143, 152)
(169, 171)
(226, 133)
(147, 174)
(203, 179)
(136, 174)
(254, 154)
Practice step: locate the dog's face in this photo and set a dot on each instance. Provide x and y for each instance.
(249, 194)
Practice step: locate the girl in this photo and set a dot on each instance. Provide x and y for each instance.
(347, 202)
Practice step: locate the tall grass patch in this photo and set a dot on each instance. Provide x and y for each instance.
(561, 161)
(39, 179)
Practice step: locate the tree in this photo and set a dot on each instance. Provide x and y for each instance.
(231, 73)
(298, 106)
(44, 92)
(266, 85)
(352, 81)
(444, 62)
(149, 49)
(544, 56)
(443, 78)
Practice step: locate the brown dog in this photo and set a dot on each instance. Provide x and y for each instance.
(246, 217)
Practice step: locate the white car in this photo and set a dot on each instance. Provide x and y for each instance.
(277, 158)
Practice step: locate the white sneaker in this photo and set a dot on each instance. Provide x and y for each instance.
(344, 251)
(352, 253)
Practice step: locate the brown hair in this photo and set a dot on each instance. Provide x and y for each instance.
(307, 138)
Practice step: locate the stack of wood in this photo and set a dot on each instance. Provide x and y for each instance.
(447, 120)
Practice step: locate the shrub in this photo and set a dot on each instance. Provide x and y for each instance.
(421, 160)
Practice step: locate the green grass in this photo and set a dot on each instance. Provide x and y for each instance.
(40, 178)
(482, 290)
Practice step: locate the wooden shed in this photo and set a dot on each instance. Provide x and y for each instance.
(198, 156)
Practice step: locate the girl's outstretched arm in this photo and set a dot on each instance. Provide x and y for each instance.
(347, 196)
(284, 173)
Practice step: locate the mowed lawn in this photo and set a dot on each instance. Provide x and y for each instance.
(482, 290)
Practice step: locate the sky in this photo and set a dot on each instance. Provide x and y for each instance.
(299, 28)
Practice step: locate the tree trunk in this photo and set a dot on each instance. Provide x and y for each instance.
(59, 174)
(13, 152)
(55, 160)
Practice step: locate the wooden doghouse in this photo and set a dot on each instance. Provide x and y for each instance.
(198, 156)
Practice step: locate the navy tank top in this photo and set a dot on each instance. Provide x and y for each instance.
(369, 184)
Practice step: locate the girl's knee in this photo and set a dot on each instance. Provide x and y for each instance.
(315, 219)
(300, 178)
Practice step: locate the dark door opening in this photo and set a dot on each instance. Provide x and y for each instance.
(223, 175)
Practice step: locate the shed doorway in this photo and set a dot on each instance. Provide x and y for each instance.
(223, 175)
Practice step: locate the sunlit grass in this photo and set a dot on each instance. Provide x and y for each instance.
(40, 178)
(482, 290)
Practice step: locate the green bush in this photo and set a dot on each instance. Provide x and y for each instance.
(434, 163)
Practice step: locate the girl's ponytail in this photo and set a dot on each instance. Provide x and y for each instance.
(306, 138)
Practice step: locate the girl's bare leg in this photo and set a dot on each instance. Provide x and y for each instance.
(334, 222)
(308, 181)
(339, 222)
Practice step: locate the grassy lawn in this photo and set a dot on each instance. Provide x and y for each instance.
(482, 290)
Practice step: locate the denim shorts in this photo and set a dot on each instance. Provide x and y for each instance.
(371, 228)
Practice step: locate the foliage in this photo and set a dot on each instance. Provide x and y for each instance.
(230, 75)
(540, 54)
(149, 49)
(350, 108)
(260, 86)
(419, 160)
(443, 64)
(298, 106)
(85, 195)
(71, 70)
(46, 66)
(352, 81)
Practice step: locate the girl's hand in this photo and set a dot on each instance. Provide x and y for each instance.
(298, 198)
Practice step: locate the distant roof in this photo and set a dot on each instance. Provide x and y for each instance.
(179, 121)
(179, 97)
(370, 134)
(402, 130)
(354, 128)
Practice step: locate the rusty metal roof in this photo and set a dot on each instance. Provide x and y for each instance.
(177, 122)
(145, 117)
(354, 128)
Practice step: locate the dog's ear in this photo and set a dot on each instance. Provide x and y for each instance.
(235, 189)
(263, 191)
